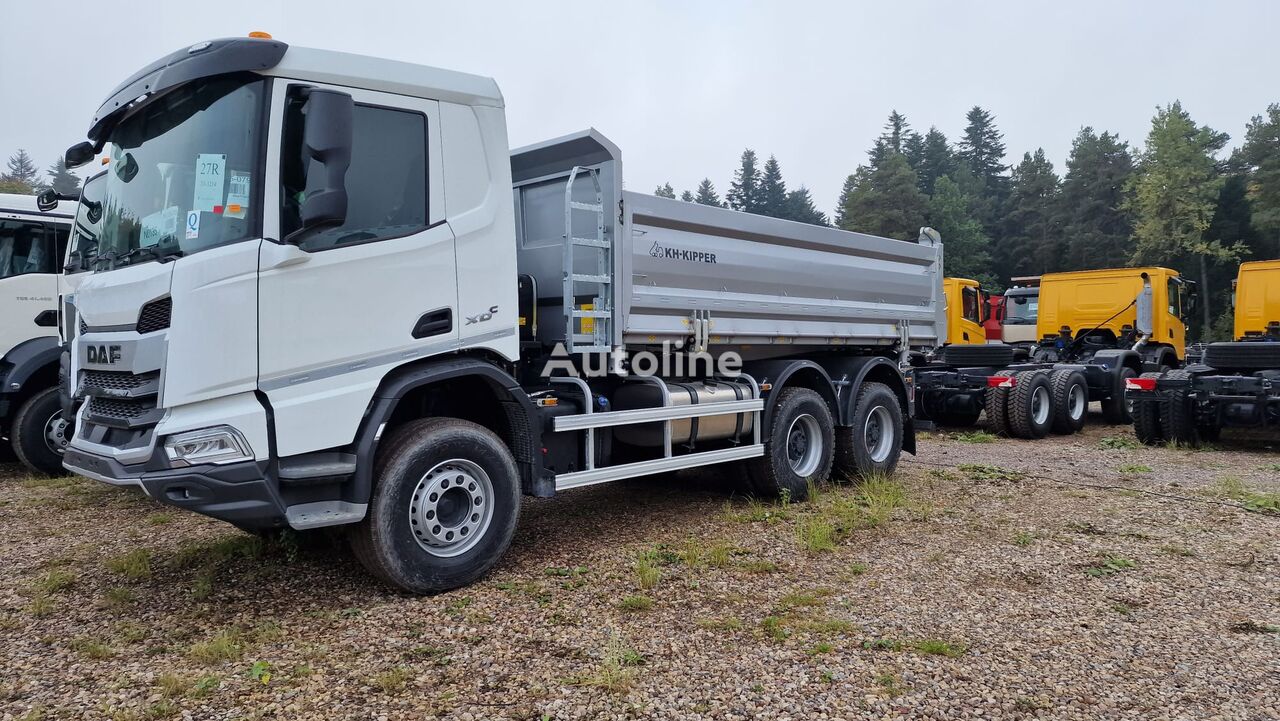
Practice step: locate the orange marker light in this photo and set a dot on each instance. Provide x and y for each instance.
(233, 207)
(260, 34)
(106, 160)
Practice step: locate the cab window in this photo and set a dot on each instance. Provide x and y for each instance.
(26, 247)
(1175, 298)
(970, 305)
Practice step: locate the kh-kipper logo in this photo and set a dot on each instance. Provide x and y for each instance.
(693, 256)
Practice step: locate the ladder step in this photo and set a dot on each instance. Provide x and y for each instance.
(593, 207)
(591, 242)
(592, 314)
(585, 278)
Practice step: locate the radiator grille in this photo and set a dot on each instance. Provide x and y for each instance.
(155, 315)
(119, 409)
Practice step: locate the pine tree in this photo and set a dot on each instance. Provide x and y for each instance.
(913, 149)
(686, 196)
(843, 202)
(1030, 243)
(707, 194)
(1174, 194)
(62, 180)
(1261, 154)
(936, 160)
(896, 131)
(773, 190)
(800, 208)
(981, 151)
(22, 169)
(744, 191)
(884, 200)
(665, 191)
(966, 246)
(1090, 216)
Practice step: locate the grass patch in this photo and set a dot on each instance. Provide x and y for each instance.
(647, 573)
(41, 606)
(616, 670)
(758, 566)
(159, 519)
(936, 647)
(720, 624)
(134, 565)
(1235, 489)
(805, 599)
(882, 644)
(392, 680)
(1118, 443)
(989, 473)
(1023, 538)
(171, 685)
(820, 648)
(857, 568)
(55, 581)
(636, 603)
(1130, 469)
(225, 645)
(92, 648)
(976, 437)
(817, 534)
(774, 628)
(118, 598)
(1253, 627)
(757, 511)
(1108, 565)
(889, 684)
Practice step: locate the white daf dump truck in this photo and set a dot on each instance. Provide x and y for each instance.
(326, 294)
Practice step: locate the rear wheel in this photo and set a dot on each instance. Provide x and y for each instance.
(872, 443)
(1115, 410)
(40, 435)
(1030, 406)
(444, 509)
(1070, 400)
(997, 404)
(799, 449)
(1177, 415)
(1146, 419)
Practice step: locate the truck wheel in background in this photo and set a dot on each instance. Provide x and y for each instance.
(444, 507)
(1030, 405)
(1070, 393)
(1177, 416)
(39, 434)
(1242, 356)
(997, 404)
(799, 447)
(872, 443)
(1146, 419)
(1115, 410)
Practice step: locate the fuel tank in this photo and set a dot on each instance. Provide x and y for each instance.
(708, 428)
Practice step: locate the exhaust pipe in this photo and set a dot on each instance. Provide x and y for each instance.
(1144, 323)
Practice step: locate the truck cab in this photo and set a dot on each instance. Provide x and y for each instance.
(967, 308)
(1019, 313)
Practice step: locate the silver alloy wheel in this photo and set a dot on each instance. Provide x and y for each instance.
(877, 434)
(1041, 404)
(55, 433)
(451, 508)
(804, 446)
(1077, 401)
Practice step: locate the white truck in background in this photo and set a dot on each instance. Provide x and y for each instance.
(326, 294)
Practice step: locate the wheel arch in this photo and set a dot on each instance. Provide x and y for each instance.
(31, 362)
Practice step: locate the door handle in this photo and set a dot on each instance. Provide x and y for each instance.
(434, 323)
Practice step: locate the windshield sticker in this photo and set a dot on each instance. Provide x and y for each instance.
(237, 194)
(159, 226)
(210, 180)
(193, 225)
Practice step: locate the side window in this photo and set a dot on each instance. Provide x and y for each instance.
(386, 182)
(1175, 298)
(969, 304)
(26, 247)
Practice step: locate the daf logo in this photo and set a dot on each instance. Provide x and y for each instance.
(488, 315)
(102, 354)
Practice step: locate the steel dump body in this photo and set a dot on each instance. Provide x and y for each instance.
(753, 280)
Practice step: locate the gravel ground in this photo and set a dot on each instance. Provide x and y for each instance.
(1080, 577)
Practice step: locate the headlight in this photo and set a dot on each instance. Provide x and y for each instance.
(220, 444)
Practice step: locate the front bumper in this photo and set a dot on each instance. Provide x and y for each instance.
(238, 493)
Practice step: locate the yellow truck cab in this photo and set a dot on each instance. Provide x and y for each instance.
(1257, 300)
(1082, 312)
(966, 306)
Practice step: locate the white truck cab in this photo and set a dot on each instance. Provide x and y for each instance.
(33, 247)
(326, 293)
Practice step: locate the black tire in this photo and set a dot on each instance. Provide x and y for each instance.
(859, 450)
(1115, 410)
(1146, 419)
(1070, 393)
(1177, 416)
(997, 407)
(799, 447)
(38, 434)
(983, 354)
(1243, 356)
(1030, 405)
(419, 461)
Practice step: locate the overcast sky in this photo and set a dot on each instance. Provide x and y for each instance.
(683, 87)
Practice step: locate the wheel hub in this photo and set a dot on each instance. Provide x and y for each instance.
(57, 433)
(877, 435)
(451, 507)
(804, 445)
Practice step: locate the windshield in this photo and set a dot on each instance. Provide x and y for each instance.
(1021, 309)
(84, 236)
(181, 173)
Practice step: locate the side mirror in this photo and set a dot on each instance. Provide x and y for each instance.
(78, 155)
(326, 139)
(47, 200)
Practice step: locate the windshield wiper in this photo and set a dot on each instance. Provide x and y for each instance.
(153, 251)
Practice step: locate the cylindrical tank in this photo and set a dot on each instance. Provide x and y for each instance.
(640, 394)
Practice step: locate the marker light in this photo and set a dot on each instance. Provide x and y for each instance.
(260, 34)
(106, 160)
(1001, 382)
(1140, 384)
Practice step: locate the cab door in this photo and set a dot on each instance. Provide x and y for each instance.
(341, 306)
(28, 280)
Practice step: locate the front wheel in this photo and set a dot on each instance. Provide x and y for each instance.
(799, 447)
(872, 443)
(40, 435)
(444, 509)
